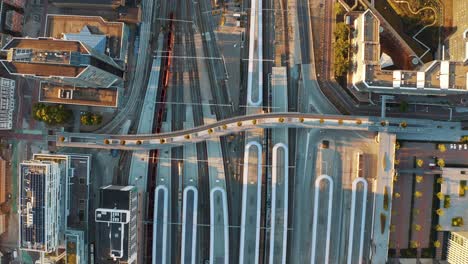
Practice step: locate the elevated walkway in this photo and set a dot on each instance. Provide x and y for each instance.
(408, 129)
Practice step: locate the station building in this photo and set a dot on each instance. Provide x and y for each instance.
(67, 62)
(116, 225)
(438, 77)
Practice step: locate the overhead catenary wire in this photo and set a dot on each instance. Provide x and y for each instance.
(213, 104)
(200, 160)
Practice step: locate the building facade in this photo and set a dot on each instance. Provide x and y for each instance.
(62, 62)
(116, 223)
(38, 208)
(7, 103)
(72, 205)
(457, 248)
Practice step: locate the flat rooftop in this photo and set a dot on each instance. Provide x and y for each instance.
(51, 93)
(44, 57)
(45, 44)
(92, 2)
(115, 222)
(55, 57)
(438, 76)
(42, 69)
(458, 207)
(58, 25)
(32, 206)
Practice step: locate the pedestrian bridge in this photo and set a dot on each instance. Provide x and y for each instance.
(250, 122)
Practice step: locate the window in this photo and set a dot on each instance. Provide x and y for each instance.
(81, 215)
(82, 181)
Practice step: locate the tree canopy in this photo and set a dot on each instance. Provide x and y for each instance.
(341, 48)
(90, 119)
(51, 114)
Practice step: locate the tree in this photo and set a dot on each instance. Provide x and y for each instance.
(85, 119)
(339, 9)
(457, 221)
(419, 162)
(90, 119)
(417, 227)
(51, 114)
(341, 48)
(414, 244)
(419, 178)
(441, 163)
(441, 147)
(96, 119)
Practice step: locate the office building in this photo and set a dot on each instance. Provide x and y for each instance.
(116, 224)
(72, 204)
(105, 37)
(61, 61)
(438, 77)
(7, 103)
(38, 208)
(457, 248)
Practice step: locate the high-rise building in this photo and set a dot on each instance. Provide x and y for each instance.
(38, 208)
(7, 103)
(72, 205)
(457, 248)
(68, 62)
(116, 224)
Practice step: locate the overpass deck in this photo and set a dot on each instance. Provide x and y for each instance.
(410, 129)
